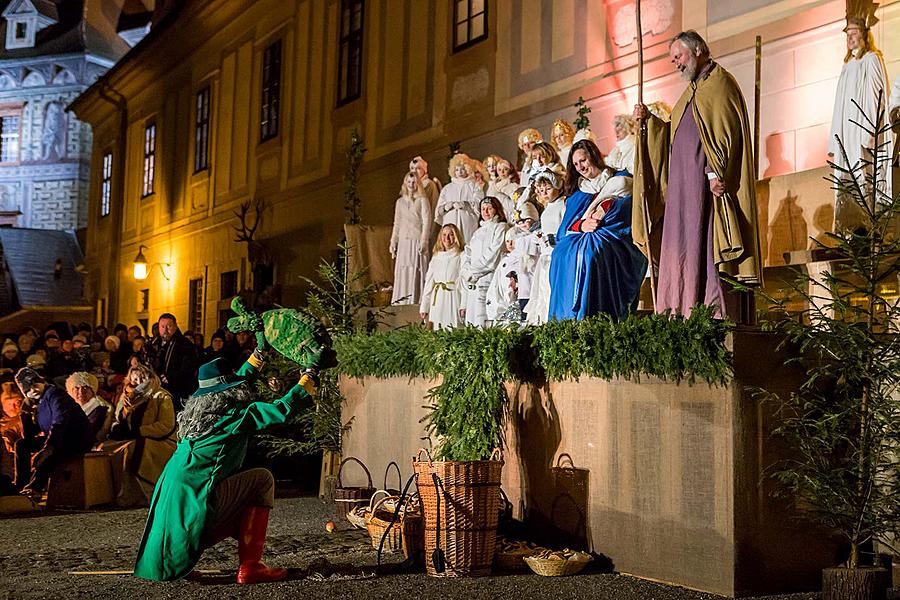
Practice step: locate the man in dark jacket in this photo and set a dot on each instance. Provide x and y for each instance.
(175, 360)
(65, 428)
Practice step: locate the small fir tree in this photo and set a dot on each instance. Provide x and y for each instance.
(844, 420)
(355, 152)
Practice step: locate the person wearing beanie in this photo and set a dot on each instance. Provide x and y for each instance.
(67, 432)
(10, 357)
(118, 360)
(82, 387)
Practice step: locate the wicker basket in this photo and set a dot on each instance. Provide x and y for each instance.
(406, 535)
(348, 498)
(358, 515)
(552, 567)
(466, 495)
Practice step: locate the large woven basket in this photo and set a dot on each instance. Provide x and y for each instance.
(406, 535)
(348, 498)
(466, 494)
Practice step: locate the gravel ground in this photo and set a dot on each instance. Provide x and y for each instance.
(37, 554)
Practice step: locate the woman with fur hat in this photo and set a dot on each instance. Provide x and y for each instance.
(82, 387)
(458, 202)
(203, 495)
(142, 436)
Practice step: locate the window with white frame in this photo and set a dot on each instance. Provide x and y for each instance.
(149, 178)
(106, 184)
(9, 137)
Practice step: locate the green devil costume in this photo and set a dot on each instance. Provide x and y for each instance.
(177, 529)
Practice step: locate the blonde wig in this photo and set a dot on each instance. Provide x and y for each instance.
(460, 159)
(546, 151)
(626, 120)
(420, 191)
(566, 128)
(529, 135)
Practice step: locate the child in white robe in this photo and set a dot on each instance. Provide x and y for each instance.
(548, 189)
(480, 258)
(503, 289)
(458, 202)
(443, 297)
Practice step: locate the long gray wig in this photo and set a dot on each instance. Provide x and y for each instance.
(201, 413)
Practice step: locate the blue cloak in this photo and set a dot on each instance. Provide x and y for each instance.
(597, 272)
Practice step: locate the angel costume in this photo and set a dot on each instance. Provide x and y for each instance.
(410, 242)
(458, 205)
(480, 258)
(539, 304)
(444, 290)
(864, 80)
(621, 157)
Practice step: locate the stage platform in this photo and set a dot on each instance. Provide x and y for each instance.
(668, 479)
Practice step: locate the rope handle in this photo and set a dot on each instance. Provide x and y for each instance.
(341, 468)
(559, 461)
(399, 474)
(419, 454)
(498, 453)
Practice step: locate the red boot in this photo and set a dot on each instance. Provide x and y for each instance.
(251, 542)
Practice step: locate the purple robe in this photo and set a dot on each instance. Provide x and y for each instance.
(687, 270)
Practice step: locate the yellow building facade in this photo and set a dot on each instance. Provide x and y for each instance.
(283, 93)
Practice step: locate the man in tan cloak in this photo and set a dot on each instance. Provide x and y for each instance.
(704, 201)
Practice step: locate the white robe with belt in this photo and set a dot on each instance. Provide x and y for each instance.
(444, 291)
(410, 240)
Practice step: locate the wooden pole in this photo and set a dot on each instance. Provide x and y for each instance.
(642, 149)
(757, 153)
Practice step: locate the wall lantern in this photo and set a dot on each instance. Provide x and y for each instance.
(142, 268)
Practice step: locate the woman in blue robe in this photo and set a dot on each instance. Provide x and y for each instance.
(596, 268)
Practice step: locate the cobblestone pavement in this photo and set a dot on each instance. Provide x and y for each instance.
(38, 554)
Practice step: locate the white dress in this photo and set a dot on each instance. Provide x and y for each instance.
(410, 241)
(444, 292)
(564, 155)
(621, 157)
(538, 306)
(862, 79)
(458, 204)
(480, 258)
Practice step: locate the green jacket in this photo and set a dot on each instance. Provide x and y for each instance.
(180, 509)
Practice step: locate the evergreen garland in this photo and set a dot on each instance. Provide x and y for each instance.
(467, 407)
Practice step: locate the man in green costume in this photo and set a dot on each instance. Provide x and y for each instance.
(203, 496)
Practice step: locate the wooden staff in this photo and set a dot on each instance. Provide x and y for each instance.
(643, 151)
(756, 97)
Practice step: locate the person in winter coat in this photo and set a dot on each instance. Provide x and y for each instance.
(141, 436)
(66, 432)
(174, 358)
(82, 387)
(204, 495)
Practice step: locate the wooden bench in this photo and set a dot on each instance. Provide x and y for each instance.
(82, 482)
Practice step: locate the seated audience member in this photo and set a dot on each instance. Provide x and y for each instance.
(133, 332)
(142, 436)
(11, 431)
(83, 388)
(37, 361)
(10, 357)
(118, 361)
(245, 345)
(100, 333)
(65, 428)
(26, 343)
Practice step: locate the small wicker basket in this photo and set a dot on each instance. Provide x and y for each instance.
(555, 567)
(406, 535)
(348, 498)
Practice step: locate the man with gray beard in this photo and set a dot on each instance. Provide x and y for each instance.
(709, 214)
